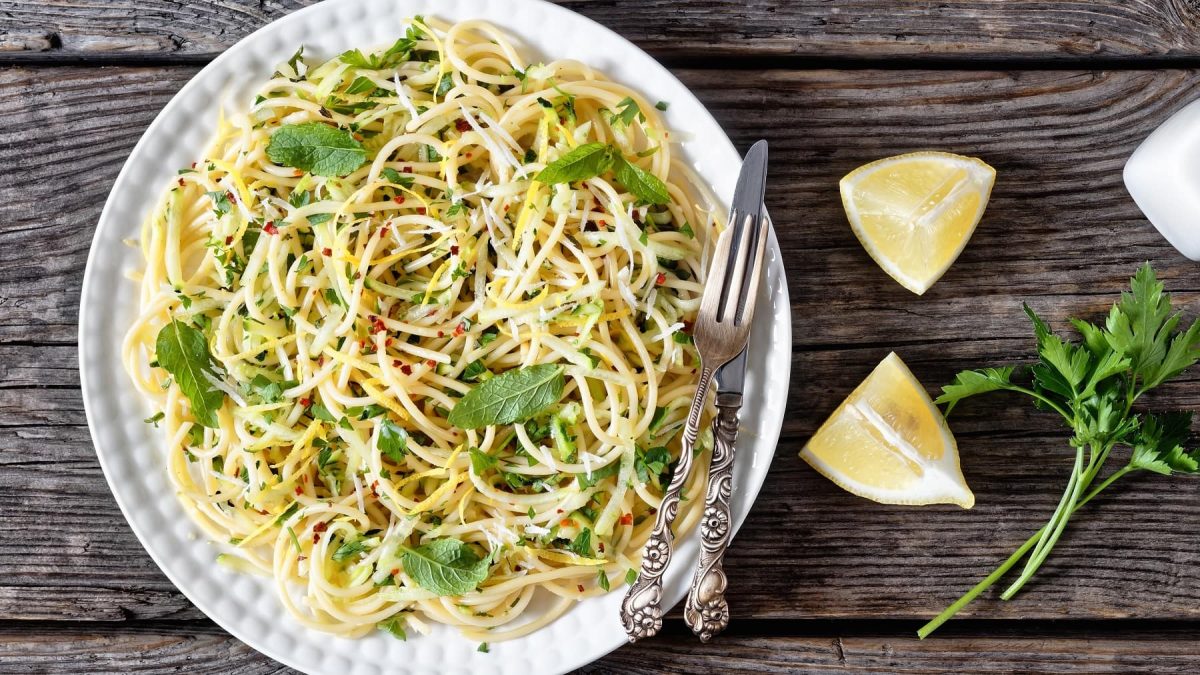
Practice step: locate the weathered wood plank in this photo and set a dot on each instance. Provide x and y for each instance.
(200, 647)
(1061, 230)
(704, 30)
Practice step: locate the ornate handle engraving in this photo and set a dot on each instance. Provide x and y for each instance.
(641, 611)
(707, 612)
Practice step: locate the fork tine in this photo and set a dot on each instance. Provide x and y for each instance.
(736, 272)
(749, 291)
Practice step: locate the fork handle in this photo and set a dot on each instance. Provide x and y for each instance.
(707, 611)
(641, 610)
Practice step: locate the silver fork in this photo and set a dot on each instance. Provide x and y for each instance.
(721, 332)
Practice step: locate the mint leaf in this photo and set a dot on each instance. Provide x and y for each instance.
(641, 183)
(183, 352)
(513, 396)
(317, 148)
(586, 161)
(349, 549)
(445, 566)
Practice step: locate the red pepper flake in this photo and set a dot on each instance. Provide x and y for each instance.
(462, 125)
(193, 165)
(230, 197)
(383, 231)
(396, 363)
(375, 489)
(660, 279)
(565, 522)
(407, 169)
(396, 572)
(441, 334)
(316, 536)
(406, 369)
(430, 362)
(558, 510)
(357, 137)
(180, 182)
(320, 526)
(506, 208)
(627, 519)
(305, 402)
(229, 240)
(459, 330)
(297, 173)
(377, 325)
(454, 250)
(580, 587)
(387, 342)
(469, 155)
(600, 547)
(304, 478)
(399, 199)
(421, 210)
(321, 361)
(326, 251)
(299, 490)
(270, 228)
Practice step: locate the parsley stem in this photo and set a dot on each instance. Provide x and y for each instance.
(1058, 523)
(1012, 560)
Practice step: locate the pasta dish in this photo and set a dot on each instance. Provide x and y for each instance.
(416, 330)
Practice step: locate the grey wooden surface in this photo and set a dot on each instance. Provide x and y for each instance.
(1055, 95)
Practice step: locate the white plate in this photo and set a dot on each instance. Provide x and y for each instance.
(130, 451)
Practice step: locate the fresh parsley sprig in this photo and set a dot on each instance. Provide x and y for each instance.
(1093, 386)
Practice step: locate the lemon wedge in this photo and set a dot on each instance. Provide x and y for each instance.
(915, 213)
(889, 443)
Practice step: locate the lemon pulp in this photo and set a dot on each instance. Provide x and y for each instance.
(889, 443)
(915, 213)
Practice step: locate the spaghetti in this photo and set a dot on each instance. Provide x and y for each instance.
(367, 246)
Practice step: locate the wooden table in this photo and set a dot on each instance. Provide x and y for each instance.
(1055, 94)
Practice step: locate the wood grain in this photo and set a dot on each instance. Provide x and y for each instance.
(698, 31)
(200, 648)
(1060, 233)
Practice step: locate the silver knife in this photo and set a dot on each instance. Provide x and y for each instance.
(706, 611)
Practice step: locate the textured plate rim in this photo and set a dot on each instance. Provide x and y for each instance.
(763, 446)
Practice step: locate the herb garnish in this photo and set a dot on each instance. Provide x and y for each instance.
(1093, 386)
(512, 396)
(317, 148)
(445, 566)
(593, 159)
(183, 352)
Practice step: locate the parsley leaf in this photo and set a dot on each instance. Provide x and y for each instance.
(393, 626)
(393, 441)
(1093, 385)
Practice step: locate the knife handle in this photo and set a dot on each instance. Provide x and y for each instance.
(641, 610)
(707, 612)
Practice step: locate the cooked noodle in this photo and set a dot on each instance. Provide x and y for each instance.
(340, 309)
